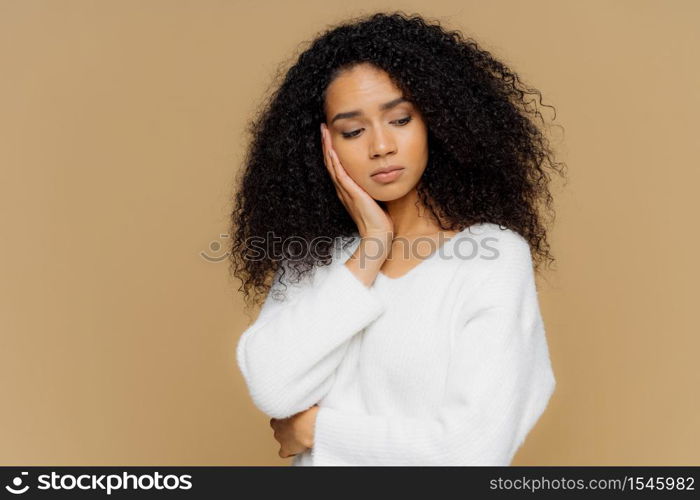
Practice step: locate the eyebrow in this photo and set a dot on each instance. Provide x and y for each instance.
(357, 112)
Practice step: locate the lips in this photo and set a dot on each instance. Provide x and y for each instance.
(387, 170)
(388, 175)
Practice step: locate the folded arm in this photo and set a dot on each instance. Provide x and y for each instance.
(289, 356)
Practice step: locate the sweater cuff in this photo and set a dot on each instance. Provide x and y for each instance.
(333, 437)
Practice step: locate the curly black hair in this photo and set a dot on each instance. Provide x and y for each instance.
(488, 159)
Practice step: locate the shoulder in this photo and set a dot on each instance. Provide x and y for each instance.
(493, 247)
(494, 262)
(500, 278)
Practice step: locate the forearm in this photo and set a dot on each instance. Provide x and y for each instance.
(288, 357)
(368, 257)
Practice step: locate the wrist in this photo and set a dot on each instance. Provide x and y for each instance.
(308, 438)
(375, 245)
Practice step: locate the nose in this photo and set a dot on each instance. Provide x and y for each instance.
(382, 144)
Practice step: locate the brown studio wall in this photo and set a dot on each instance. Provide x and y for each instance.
(122, 129)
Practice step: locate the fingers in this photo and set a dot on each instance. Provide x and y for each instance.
(333, 165)
(325, 143)
(340, 189)
(283, 453)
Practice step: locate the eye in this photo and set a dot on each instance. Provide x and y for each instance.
(400, 122)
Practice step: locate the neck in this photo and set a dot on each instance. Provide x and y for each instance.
(410, 216)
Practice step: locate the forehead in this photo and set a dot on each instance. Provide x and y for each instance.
(363, 86)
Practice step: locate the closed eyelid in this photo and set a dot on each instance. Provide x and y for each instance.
(350, 134)
(403, 116)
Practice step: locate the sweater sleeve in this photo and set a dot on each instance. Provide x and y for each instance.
(499, 382)
(289, 355)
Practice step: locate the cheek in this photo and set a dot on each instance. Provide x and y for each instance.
(351, 162)
(419, 140)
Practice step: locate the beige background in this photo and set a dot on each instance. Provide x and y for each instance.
(121, 129)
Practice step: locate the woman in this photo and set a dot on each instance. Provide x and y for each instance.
(402, 162)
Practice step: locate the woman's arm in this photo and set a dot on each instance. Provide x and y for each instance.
(499, 382)
(288, 357)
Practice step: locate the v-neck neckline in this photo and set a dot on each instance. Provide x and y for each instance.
(422, 263)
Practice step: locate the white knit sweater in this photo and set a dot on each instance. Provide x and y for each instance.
(445, 365)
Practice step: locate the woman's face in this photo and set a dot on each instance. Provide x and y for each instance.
(367, 135)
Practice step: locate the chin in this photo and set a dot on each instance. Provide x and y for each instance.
(389, 193)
